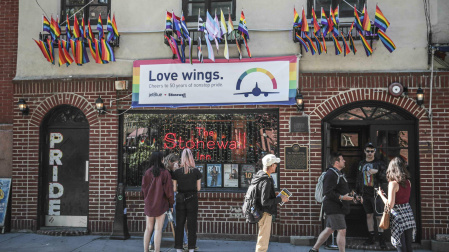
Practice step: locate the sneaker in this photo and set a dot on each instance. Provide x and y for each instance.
(370, 240)
(151, 249)
(313, 250)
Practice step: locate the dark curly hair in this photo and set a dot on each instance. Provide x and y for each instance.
(156, 162)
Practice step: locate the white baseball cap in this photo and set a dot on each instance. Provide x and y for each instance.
(270, 159)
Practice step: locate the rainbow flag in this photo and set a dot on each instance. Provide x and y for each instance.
(366, 24)
(312, 46)
(168, 22)
(58, 27)
(79, 52)
(100, 27)
(67, 23)
(90, 34)
(304, 24)
(388, 43)
(83, 28)
(76, 28)
(51, 50)
(107, 52)
(92, 49)
(333, 25)
(43, 49)
(69, 36)
(324, 43)
(45, 25)
(296, 21)
(246, 45)
(110, 29)
(114, 27)
(66, 53)
(351, 42)
(304, 44)
(358, 23)
(365, 44)
(319, 46)
(74, 51)
(324, 22)
(53, 28)
(98, 53)
(316, 27)
(242, 25)
(175, 45)
(62, 59)
(380, 20)
(338, 49)
(335, 14)
(177, 25)
(230, 24)
(85, 56)
(346, 49)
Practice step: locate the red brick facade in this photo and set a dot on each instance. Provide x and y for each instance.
(218, 212)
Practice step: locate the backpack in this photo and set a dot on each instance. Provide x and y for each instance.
(250, 209)
(319, 197)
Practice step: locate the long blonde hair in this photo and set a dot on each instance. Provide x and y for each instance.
(187, 160)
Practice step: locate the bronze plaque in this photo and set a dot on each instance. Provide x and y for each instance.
(296, 157)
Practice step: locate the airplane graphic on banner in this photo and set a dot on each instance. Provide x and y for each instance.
(256, 92)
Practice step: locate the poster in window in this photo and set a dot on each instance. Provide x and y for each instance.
(275, 179)
(247, 174)
(5, 186)
(214, 172)
(200, 167)
(231, 175)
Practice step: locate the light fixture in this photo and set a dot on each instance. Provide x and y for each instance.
(419, 97)
(121, 85)
(99, 105)
(23, 107)
(299, 101)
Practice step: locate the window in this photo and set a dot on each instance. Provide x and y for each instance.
(227, 145)
(190, 8)
(346, 7)
(91, 11)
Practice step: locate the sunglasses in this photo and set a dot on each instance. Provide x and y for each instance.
(370, 151)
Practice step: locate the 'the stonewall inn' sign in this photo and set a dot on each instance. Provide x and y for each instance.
(165, 83)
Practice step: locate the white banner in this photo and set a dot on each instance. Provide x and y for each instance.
(214, 83)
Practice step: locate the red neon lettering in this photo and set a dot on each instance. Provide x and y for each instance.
(222, 145)
(198, 144)
(170, 140)
(211, 143)
(232, 145)
(192, 146)
(180, 143)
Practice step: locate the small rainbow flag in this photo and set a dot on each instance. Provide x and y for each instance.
(107, 52)
(336, 18)
(365, 44)
(67, 23)
(351, 43)
(85, 57)
(246, 45)
(110, 29)
(319, 46)
(168, 22)
(92, 49)
(338, 49)
(316, 27)
(43, 49)
(45, 25)
(380, 20)
(388, 43)
(114, 27)
(312, 46)
(242, 25)
(76, 28)
(83, 28)
(79, 52)
(65, 51)
(358, 23)
(346, 49)
(366, 24)
(53, 28)
(304, 24)
(51, 51)
(100, 27)
(324, 43)
(90, 34)
(74, 51)
(296, 21)
(62, 59)
(306, 47)
(98, 59)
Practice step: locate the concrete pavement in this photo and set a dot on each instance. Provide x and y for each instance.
(31, 242)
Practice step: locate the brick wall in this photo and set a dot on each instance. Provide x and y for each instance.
(218, 212)
(9, 22)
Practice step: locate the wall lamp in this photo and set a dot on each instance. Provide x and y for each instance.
(99, 105)
(419, 97)
(299, 101)
(23, 107)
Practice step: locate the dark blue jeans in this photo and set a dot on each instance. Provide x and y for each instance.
(186, 211)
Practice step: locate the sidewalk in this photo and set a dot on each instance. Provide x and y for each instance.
(31, 242)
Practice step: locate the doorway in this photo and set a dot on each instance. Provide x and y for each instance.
(391, 129)
(64, 162)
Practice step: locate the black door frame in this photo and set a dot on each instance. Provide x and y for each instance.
(409, 121)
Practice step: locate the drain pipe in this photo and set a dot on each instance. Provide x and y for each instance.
(431, 137)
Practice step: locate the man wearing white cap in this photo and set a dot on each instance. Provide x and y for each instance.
(266, 199)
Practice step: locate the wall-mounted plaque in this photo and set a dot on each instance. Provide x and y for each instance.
(296, 157)
(299, 124)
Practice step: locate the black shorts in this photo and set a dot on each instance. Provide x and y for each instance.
(373, 206)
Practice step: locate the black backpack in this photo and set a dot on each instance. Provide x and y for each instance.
(250, 209)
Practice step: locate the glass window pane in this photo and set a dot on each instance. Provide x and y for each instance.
(193, 9)
(74, 2)
(216, 6)
(348, 116)
(95, 11)
(369, 111)
(347, 7)
(349, 139)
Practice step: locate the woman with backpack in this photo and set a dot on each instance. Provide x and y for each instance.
(157, 188)
(402, 222)
(187, 182)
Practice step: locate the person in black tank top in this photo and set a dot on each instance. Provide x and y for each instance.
(187, 182)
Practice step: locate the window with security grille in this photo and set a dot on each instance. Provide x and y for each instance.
(191, 8)
(88, 9)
